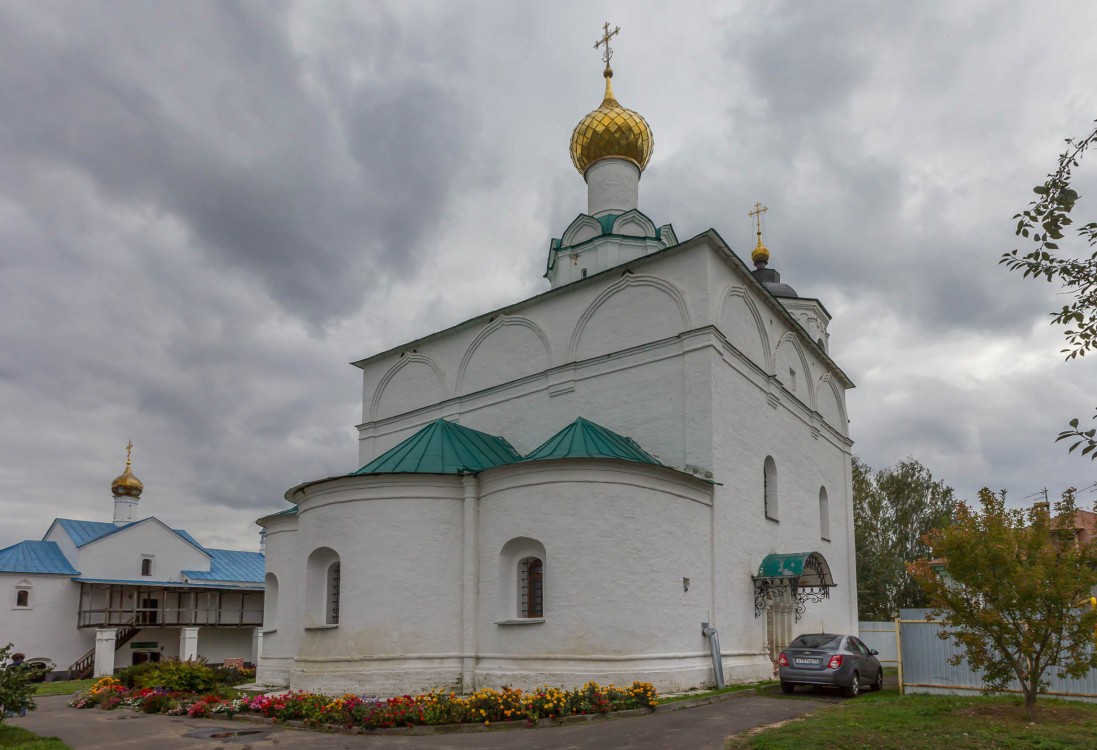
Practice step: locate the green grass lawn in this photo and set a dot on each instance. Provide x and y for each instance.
(889, 721)
(64, 687)
(17, 738)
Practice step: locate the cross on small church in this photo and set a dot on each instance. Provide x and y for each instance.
(756, 214)
(129, 449)
(606, 36)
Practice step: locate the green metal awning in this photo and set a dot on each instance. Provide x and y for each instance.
(444, 448)
(808, 568)
(804, 576)
(585, 439)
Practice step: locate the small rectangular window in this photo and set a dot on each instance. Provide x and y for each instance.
(146, 566)
(22, 598)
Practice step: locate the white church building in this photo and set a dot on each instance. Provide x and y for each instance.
(641, 473)
(93, 596)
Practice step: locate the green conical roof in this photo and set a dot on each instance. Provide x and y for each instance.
(444, 448)
(585, 439)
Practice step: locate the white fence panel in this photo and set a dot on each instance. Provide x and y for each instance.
(882, 637)
(926, 669)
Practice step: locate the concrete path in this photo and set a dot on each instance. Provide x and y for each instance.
(700, 728)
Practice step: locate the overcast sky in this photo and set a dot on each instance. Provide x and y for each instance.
(208, 209)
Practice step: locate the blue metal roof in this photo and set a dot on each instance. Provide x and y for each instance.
(82, 532)
(86, 532)
(146, 583)
(35, 557)
(232, 565)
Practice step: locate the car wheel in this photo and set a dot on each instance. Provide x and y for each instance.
(878, 685)
(854, 686)
(788, 687)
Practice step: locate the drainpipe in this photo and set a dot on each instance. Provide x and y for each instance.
(470, 580)
(714, 647)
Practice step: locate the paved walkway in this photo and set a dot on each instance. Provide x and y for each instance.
(700, 728)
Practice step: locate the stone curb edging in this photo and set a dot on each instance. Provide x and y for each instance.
(499, 726)
(420, 729)
(703, 701)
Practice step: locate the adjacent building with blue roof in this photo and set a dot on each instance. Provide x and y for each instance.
(92, 596)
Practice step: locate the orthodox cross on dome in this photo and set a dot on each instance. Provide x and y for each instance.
(129, 450)
(760, 254)
(606, 36)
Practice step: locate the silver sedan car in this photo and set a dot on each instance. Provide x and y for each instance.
(830, 659)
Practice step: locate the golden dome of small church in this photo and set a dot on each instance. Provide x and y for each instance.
(640, 473)
(611, 130)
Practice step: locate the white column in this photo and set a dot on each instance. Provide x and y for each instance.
(106, 640)
(188, 644)
(613, 186)
(256, 645)
(470, 583)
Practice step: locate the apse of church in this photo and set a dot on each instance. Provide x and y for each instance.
(593, 483)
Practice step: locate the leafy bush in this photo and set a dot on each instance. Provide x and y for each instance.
(230, 676)
(178, 676)
(16, 690)
(130, 675)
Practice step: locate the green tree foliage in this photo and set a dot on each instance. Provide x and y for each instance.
(892, 510)
(1046, 222)
(16, 689)
(1013, 589)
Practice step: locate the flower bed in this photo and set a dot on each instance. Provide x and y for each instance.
(483, 706)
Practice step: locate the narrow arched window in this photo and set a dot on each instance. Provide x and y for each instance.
(531, 575)
(146, 566)
(824, 514)
(332, 617)
(270, 602)
(22, 598)
(769, 488)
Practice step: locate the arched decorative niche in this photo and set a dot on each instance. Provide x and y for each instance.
(522, 580)
(824, 514)
(743, 327)
(412, 383)
(508, 348)
(792, 370)
(270, 601)
(632, 311)
(828, 399)
(582, 229)
(323, 585)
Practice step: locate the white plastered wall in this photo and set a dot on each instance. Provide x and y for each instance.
(119, 555)
(47, 628)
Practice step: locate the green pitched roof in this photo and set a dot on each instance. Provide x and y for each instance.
(444, 448)
(585, 439)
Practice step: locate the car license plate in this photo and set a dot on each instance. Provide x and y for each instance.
(807, 662)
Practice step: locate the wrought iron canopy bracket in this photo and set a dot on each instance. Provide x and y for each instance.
(768, 590)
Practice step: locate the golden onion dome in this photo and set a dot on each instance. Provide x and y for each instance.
(760, 254)
(126, 483)
(611, 131)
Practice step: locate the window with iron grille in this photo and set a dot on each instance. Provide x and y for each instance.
(22, 598)
(531, 595)
(334, 574)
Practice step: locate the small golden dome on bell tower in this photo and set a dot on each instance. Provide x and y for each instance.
(611, 130)
(126, 483)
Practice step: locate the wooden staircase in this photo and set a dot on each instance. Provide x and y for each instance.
(84, 667)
